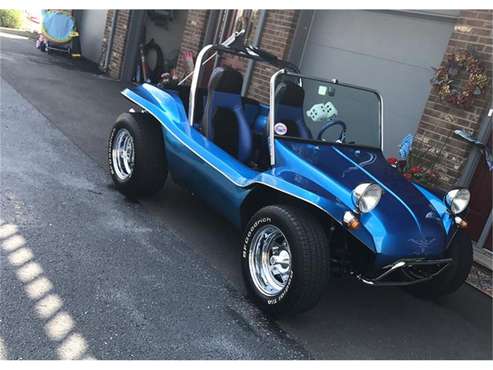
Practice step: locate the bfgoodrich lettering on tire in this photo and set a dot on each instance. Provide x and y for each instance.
(284, 259)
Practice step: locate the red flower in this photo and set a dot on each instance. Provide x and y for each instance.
(402, 164)
(392, 161)
(415, 170)
(408, 176)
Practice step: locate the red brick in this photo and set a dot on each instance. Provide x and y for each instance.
(440, 118)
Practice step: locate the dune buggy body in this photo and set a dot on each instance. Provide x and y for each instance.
(410, 229)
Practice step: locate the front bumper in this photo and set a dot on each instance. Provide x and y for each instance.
(408, 272)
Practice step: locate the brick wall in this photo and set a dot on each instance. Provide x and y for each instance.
(276, 38)
(440, 118)
(119, 40)
(193, 36)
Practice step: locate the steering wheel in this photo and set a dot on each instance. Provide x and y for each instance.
(342, 136)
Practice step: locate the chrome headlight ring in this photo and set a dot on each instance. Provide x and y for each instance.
(366, 197)
(457, 200)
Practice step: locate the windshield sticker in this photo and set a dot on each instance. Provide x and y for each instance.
(322, 112)
(322, 90)
(280, 129)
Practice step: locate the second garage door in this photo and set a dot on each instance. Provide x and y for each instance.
(392, 52)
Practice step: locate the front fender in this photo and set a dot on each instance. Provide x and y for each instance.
(284, 181)
(165, 105)
(408, 223)
(309, 189)
(440, 207)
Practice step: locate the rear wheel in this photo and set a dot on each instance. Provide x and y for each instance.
(284, 259)
(136, 155)
(451, 279)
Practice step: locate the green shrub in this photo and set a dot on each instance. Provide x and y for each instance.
(11, 18)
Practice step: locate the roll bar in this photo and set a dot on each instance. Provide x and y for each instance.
(234, 45)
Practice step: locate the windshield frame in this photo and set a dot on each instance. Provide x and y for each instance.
(273, 136)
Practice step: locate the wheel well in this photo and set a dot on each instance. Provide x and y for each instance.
(345, 247)
(263, 196)
(140, 113)
(145, 115)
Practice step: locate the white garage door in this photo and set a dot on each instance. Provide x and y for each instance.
(392, 52)
(92, 33)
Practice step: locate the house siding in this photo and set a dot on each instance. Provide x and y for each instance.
(276, 38)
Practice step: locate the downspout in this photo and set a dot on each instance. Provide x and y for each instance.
(135, 31)
(224, 17)
(211, 28)
(109, 46)
(475, 154)
(256, 41)
(465, 181)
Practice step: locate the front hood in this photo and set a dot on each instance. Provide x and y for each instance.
(405, 224)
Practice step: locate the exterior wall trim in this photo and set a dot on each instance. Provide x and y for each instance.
(109, 45)
(475, 153)
(301, 34)
(249, 70)
(421, 14)
(211, 27)
(134, 34)
(486, 230)
(483, 257)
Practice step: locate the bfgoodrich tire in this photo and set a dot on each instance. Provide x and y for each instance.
(285, 259)
(136, 156)
(460, 250)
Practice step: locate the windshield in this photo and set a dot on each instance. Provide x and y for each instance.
(319, 110)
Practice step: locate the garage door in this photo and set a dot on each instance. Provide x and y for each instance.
(92, 33)
(392, 52)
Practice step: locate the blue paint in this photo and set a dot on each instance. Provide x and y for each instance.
(409, 221)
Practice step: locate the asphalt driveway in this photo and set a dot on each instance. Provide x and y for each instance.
(158, 274)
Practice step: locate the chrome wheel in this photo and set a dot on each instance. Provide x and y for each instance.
(123, 155)
(270, 260)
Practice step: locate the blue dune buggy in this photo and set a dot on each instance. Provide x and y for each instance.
(304, 178)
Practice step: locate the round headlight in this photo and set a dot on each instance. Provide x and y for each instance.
(366, 196)
(457, 200)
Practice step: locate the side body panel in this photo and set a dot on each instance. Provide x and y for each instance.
(193, 173)
(193, 161)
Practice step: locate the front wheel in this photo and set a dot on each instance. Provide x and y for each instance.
(136, 156)
(452, 278)
(284, 259)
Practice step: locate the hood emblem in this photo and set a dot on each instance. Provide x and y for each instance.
(432, 215)
(422, 244)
